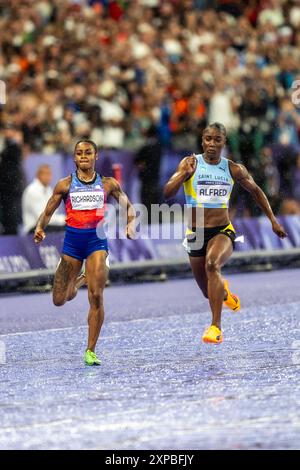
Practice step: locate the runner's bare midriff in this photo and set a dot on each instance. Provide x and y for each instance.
(212, 217)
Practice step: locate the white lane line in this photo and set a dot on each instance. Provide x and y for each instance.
(141, 320)
(67, 328)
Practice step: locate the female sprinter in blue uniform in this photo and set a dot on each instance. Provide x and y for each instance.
(84, 193)
(208, 180)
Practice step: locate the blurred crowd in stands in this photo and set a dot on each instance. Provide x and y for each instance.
(121, 72)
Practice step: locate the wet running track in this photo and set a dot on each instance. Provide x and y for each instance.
(158, 387)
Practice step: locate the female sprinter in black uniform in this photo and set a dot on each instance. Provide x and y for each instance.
(84, 194)
(208, 180)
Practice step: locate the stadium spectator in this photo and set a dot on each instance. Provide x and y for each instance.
(11, 181)
(35, 198)
(148, 160)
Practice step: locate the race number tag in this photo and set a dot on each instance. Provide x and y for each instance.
(210, 192)
(87, 200)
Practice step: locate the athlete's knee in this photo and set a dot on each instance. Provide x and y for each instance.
(212, 265)
(59, 300)
(96, 297)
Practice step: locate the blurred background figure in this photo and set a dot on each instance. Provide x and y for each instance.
(11, 181)
(289, 207)
(148, 161)
(34, 200)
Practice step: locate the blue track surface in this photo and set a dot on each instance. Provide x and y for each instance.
(159, 387)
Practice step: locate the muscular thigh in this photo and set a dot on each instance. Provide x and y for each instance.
(219, 249)
(66, 273)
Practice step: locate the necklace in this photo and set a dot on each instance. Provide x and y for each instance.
(85, 180)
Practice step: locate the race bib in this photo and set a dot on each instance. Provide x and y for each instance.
(87, 200)
(210, 192)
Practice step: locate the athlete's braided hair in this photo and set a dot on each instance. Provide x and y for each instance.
(218, 126)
